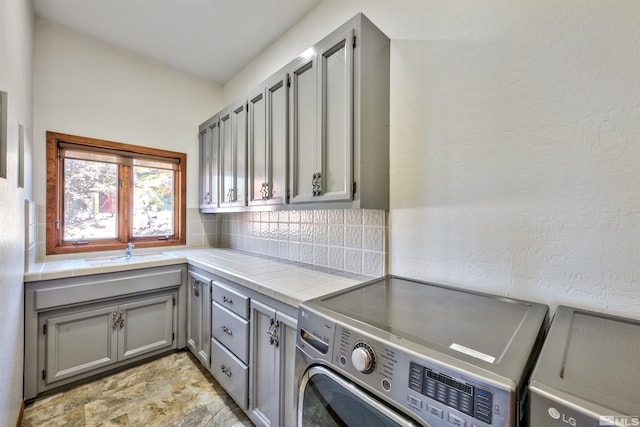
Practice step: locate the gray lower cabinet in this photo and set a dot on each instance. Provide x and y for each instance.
(79, 341)
(79, 327)
(229, 341)
(272, 382)
(199, 316)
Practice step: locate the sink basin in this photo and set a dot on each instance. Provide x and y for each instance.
(126, 260)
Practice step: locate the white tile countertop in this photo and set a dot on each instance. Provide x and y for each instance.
(287, 281)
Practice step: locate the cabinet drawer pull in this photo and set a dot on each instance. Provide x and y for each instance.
(225, 370)
(227, 300)
(227, 330)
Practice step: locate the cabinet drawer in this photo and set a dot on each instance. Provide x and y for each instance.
(231, 330)
(230, 372)
(231, 300)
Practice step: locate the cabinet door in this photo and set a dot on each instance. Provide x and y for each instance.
(305, 151)
(146, 326)
(233, 153)
(268, 143)
(227, 180)
(209, 141)
(257, 133)
(264, 381)
(335, 70)
(285, 369)
(277, 139)
(199, 318)
(239, 137)
(80, 342)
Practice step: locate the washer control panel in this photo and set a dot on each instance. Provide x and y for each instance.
(435, 393)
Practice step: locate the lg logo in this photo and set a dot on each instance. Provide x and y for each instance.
(556, 415)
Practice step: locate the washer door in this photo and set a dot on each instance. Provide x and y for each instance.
(327, 400)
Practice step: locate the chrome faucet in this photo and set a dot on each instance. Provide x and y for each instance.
(127, 252)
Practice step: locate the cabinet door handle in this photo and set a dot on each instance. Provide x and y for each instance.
(273, 341)
(273, 328)
(231, 195)
(316, 184)
(115, 320)
(196, 289)
(227, 330)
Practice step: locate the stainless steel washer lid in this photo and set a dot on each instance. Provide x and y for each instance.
(497, 334)
(592, 361)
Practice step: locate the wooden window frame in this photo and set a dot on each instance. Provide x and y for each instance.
(55, 244)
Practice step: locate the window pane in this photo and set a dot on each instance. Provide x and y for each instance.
(153, 199)
(90, 200)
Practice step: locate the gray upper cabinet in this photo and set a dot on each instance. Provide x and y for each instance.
(233, 155)
(209, 149)
(322, 117)
(340, 155)
(268, 142)
(303, 129)
(316, 132)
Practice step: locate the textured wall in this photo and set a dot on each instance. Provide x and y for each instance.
(514, 136)
(16, 48)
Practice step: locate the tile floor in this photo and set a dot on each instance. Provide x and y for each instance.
(171, 391)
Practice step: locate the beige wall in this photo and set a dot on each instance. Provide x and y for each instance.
(87, 87)
(514, 140)
(16, 48)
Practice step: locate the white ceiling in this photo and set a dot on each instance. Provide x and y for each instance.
(213, 39)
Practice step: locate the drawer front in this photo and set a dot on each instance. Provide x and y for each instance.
(231, 299)
(230, 372)
(231, 330)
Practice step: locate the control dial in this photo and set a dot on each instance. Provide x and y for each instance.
(363, 358)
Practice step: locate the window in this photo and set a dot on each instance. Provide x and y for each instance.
(102, 195)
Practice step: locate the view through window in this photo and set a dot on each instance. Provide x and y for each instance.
(103, 195)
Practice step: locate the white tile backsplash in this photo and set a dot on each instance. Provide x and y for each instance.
(353, 237)
(353, 216)
(321, 255)
(336, 258)
(372, 263)
(373, 217)
(373, 238)
(336, 216)
(306, 217)
(336, 235)
(353, 260)
(320, 232)
(352, 240)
